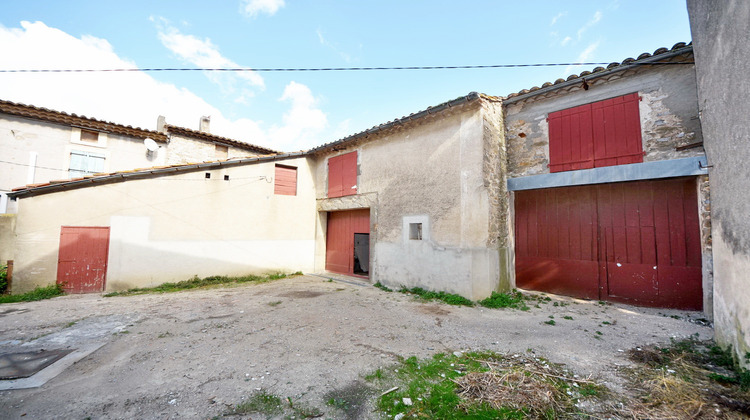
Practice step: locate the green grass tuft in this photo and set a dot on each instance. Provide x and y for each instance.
(513, 299)
(260, 402)
(39, 293)
(196, 283)
(382, 287)
(449, 298)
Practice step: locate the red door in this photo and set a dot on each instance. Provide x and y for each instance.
(342, 225)
(635, 242)
(82, 263)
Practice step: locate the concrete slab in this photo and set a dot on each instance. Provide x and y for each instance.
(24, 364)
(51, 371)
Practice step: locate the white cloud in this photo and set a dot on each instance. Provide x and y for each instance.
(565, 41)
(302, 122)
(594, 20)
(323, 41)
(585, 56)
(254, 7)
(204, 54)
(557, 17)
(133, 98)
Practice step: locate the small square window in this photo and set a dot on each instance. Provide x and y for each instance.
(88, 136)
(415, 231)
(208, 175)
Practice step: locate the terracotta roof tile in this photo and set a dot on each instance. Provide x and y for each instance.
(211, 137)
(58, 117)
(680, 47)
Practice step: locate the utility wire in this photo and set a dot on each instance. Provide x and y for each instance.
(321, 69)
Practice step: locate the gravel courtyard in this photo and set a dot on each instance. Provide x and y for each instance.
(196, 354)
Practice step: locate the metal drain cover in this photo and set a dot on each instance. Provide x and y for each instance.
(23, 365)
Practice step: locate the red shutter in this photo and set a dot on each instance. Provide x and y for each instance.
(603, 133)
(570, 139)
(617, 131)
(342, 175)
(285, 180)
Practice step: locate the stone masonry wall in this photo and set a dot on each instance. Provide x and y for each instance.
(668, 111)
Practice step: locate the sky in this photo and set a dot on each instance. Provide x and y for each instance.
(290, 111)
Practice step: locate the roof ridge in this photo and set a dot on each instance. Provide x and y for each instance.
(199, 133)
(644, 58)
(61, 117)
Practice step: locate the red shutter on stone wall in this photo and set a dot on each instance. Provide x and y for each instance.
(342, 175)
(285, 181)
(570, 139)
(603, 133)
(617, 131)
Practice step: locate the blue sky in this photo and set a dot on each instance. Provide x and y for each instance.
(293, 111)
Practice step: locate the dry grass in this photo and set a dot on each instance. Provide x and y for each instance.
(512, 389)
(680, 383)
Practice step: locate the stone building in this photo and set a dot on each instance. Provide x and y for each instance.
(594, 186)
(607, 176)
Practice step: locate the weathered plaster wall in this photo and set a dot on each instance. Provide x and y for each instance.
(668, 110)
(7, 237)
(20, 137)
(183, 149)
(435, 169)
(173, 227)
(722, 52)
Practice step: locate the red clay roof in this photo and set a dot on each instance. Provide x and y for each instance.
(89, 180)
(210, 137)
(679, 48)
(58, 117)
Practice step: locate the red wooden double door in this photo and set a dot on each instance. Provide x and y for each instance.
(82, 259)
(343, 227)
(634, 242)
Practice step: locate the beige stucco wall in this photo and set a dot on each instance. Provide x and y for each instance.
(431, 171)
(7, 237)
(171, 228)
(183, 149)
(52, 144)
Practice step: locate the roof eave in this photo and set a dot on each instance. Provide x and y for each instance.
(120, 176)
(638, 63)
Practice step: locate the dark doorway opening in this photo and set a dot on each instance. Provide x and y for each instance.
(361, 253)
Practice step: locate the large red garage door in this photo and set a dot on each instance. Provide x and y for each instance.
(634, 242)
(342, 228)
(82, 263)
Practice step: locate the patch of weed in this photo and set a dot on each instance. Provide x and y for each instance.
(3, 278)
(550, 322)
(449, 298)
(377, 374)
(513, 299)
(690, 378)
(568, 317)
(606, 323)
(482, 385)
(197, 283)
(382, 287)
(276, 303)
(260, 402)
(40, 293)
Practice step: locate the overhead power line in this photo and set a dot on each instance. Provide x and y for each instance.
(243, 69)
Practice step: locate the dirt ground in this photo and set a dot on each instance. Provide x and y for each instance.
(195, 354)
